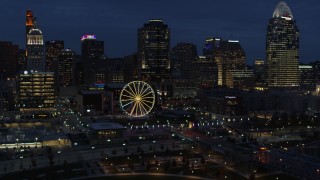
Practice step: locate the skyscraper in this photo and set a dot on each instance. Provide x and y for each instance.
(282, 48)
(35, 49)
(66, 67)
(131, 68)
(259, 70)
(36, 88)
(205, 72)
(92, 55)
(116, 70)
(22, 60)
(182, 56)
(8, 60)
(154, 51)
(228, 56)
(53, 49)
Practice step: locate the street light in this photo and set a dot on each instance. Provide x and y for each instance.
(17, 142)
(92, 151)
(36, 141)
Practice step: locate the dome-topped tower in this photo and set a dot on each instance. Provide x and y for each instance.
(282, 10)
(35, 36)
(35, 49)
(282, 49)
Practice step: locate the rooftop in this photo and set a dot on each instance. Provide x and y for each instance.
(106, 126)
(282, 10)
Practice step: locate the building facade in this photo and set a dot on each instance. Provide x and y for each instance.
(36, 91)
(282, 48)
(8, 60)
(53, 49)
(92, 58)
(182, 56)
(228, 55)
(154, 51)
(66, 67)
(35, 50)
(35, 87)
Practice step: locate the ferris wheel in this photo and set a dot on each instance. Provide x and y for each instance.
(137, 99)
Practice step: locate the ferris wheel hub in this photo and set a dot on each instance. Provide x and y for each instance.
(137, 99)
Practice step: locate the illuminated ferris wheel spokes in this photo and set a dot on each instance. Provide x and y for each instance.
(137, 99)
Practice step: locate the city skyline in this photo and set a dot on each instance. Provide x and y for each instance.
(244, 21)
(160, 89)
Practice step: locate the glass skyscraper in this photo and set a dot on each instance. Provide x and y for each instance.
(154, 50)
(282, 48)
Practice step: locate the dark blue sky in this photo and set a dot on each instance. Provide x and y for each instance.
(116, 22)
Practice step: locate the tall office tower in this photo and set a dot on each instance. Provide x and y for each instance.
(211, 47)
(154, 51)
(131, 68)
(282, 48)
(66, 67)
(182, 56)
(259, 71)
(307, 77)
(316, 71)
(234, 58)
(8, 60)
(92, 55)
(78, 71)
(116, 68)
(35, 50)
(53, 49)
(22, 60)
(213, 52)
(8, 72)
(29, 22)
(36, 88)
(205, 72)
(228, 55)
(233, 55)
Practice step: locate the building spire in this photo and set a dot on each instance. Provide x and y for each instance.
(282, 10)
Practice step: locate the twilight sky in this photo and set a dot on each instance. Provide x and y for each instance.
(116, 22)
